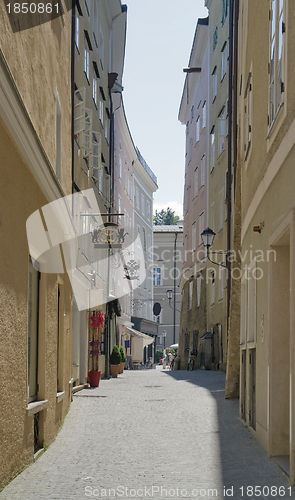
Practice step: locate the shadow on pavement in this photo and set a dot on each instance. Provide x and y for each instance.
(244, 462)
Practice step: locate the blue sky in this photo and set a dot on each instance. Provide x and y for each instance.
(159, 39)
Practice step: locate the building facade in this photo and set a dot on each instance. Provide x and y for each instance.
(99, 47)
(167, 266)
(36, 306)
(194, 114)
(266, 158)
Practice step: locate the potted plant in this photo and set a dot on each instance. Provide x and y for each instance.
(96, 327)
(123, 359)
(115, 360)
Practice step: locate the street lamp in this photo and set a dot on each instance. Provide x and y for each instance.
(169, 294)
(207, 238)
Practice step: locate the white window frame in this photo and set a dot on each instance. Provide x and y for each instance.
(86, 59)
(203, 169)
(222, 131)
(101, 48)
(198, 129)
(157, 276)
(224, 57)
(95, 90)
(204, 115)
(212, 149)
(77, 32)
(276, 58)
(214, 83)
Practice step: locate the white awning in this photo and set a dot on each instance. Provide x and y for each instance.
(147, 340)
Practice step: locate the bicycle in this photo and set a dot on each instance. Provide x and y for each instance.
(191, 361)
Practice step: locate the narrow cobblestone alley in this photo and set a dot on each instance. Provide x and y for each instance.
(152, 434)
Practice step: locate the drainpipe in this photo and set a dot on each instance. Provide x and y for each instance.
(73, 21)
(230, 141)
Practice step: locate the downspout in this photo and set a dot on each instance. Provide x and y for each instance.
(73, 20)
(229, 168)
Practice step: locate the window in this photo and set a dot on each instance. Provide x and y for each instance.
(199, 284)
(192, 113)
(79, 111)
(221, 283)
(77, 32)
(198, 129)
(215, 38)
(251, 331)
(119, 206)
(94, 90)
(148, 209)
(120, 167)
(223, 60)
(33, 320)
(194, 234)
(87, 4)
(101, 111)
(201, 226)
(204, 111)
(214, 83)
(224, 11)
(58, 141)
(276, 68)
(137, 196)
(142, 203)
(95, 22)
(203, 169)
(157, 276)
(248, 115)
(190, 294)
(221, 209)
(101, 48)
(222, 131)
(212, 287)
(144, 239)
(86, 60)
(212, 223)
(212, 148)
(187, 128)
(196, 181)
(96, 155)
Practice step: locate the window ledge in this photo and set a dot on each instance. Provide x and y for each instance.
(60, 396)
(35, 407)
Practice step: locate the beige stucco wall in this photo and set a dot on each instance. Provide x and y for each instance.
(40, 62)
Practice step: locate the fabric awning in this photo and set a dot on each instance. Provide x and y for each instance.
(147, 340)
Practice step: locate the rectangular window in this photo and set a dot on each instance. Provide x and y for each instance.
(58, 141)
(224, 11)
(157, 276)
(190, 294)
(201, 226)
(196, 182)
(199, 284)
(203, 170)
(212, 148)
(101, 48)
(221, 209)
(248, 115)
(214, 83)
(194, 234)
(223, 60)
(86, 60)
(190, 148)
(192, 113)
(212, 287)
(96, 155)
(120, 167)
(148, 209)
(222, 131)
(137, 196)
(77, 32)
(204, 111)
(198, 129)
(142, 203)
(87, 4)
(33, 321)
(212, 221)
(220, 283)
(144, 239)
(95, 22)
(94, 90)
(101, 112)
(276, 66)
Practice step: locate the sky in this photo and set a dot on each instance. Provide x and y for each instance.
(159, 40)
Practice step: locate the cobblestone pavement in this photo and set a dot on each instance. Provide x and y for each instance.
(152, 434)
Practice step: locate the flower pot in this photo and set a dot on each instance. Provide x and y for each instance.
(115, 370)
(122, 367)
(94, 378)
